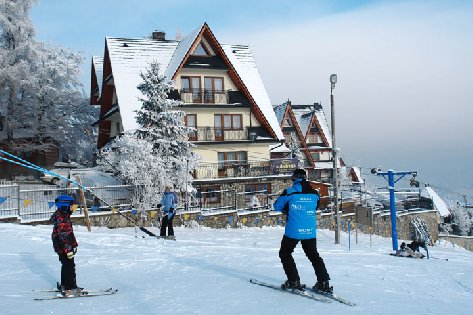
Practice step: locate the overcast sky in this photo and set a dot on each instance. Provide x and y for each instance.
(403, 100)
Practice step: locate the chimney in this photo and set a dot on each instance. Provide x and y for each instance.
(159, 35)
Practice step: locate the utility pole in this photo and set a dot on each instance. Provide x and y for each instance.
(392, 198)
(333, 80)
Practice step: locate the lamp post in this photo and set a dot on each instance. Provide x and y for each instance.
(333, 80)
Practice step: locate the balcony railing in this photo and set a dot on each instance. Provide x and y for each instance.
(226, 169)
(204, 96)
(218, 134)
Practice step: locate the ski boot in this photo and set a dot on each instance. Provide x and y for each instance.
(293, 285)
(323, 286)
(73, 292)
(170, 237)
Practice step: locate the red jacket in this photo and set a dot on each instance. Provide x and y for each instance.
(63, 237)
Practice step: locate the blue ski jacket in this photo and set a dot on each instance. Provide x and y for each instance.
(168, 202)
(300, 204)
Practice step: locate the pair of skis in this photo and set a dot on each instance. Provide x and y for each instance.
(84, 293)
(170, 237)
(307, 293)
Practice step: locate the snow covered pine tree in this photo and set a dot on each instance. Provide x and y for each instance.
(157, 153)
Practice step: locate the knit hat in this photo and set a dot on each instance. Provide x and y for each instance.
(299, 174)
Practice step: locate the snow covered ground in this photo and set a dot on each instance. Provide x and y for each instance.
(206, 271)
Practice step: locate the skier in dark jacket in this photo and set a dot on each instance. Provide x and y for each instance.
(169, 204)
(65, 244)
(300, 203)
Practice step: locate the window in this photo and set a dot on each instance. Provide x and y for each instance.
(191, 121)
(315, 156)
(232, 163)
(224, 122)
(201, 50)
(287, 123)
(213, 89)
(228, 121)
(190, 89)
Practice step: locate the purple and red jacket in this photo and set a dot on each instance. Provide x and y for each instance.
(63, 237)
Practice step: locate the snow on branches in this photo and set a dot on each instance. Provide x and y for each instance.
(158, 153)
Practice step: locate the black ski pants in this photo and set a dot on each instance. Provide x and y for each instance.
(310, 249)
(68, 272)
(166, 222)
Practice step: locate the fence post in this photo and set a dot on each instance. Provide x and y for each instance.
(18, 194)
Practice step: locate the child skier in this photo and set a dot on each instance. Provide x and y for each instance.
(65, 244)
(300, 203)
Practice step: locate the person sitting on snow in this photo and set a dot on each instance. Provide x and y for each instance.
(406, 251)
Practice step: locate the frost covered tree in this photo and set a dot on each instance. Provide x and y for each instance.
(158, 153)
(165, 128)
(17, 48)
(41, 98)
(132, 160)
(461, 220)
(295, 150)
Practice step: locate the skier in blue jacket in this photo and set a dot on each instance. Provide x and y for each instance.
(169, 204)
(300, 203)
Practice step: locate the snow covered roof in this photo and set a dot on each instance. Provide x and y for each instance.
(180, 53)
(439, 204)
(98, 66)
(278, 148)
(304, 115)
(280, 110)
(242, 60)
(357, 172)
(130, 57)
(324, 165)
(320, 115)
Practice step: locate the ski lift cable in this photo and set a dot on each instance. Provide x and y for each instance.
(38, 168)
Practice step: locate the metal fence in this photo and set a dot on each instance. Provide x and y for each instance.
(36, 202)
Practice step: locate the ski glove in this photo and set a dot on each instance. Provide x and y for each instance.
(71, 255)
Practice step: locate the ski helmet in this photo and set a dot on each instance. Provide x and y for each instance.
(64, 202)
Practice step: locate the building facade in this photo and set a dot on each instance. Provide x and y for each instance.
(222, 95)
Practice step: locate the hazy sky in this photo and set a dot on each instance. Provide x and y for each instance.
(404, 95)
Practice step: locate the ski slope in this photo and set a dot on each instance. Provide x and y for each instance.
(207, 271)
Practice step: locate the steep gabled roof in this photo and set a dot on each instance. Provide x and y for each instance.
(285, 111)
(280, 111)
(130, 57)
(97, 68)
(313, 114)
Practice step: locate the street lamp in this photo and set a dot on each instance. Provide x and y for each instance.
(333, 80)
